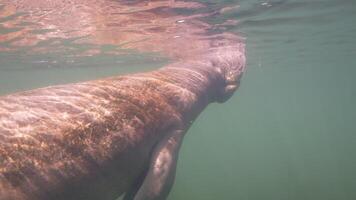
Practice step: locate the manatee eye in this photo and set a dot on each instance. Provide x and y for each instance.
(217, 67)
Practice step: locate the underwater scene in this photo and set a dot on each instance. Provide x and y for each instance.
(287, 133)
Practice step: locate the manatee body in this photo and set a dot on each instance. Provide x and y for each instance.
(102, 138)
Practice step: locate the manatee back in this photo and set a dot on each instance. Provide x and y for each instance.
(62, 137)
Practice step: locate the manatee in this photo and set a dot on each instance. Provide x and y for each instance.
(99, 139)
(119, 135)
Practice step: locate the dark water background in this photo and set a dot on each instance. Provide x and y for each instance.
(288, 133)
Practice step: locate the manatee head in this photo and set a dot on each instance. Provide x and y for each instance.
(229, 61)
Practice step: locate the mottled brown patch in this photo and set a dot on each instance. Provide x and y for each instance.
(103, 119)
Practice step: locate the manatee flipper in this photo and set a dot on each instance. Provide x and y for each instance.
(130, 194)
(161, 172)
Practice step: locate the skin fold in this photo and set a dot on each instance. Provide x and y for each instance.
(100, 139)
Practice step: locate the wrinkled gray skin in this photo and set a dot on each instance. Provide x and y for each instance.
(100, 139)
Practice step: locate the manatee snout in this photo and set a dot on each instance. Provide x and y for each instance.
(230, 62)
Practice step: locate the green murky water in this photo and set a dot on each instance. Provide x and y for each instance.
(288, 133)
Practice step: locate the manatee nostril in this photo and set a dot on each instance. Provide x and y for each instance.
(219, 43)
